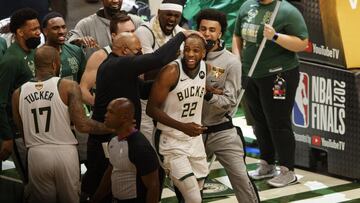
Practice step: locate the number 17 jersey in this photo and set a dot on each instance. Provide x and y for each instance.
(184, 102)
(45, 117)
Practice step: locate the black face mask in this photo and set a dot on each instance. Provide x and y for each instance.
(112, 11)
(209, 44)
(32, 42)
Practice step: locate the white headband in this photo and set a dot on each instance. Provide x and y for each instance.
(171, 7)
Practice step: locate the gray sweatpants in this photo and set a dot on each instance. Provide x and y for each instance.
(228, 148)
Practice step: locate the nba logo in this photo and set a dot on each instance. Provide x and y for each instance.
(300, 113)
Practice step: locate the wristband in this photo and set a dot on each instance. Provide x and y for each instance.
(275, 37)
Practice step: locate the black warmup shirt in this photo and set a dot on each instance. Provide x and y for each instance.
(118, 77)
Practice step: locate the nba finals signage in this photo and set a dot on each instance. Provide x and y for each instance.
(333, 34)
(326, 116)
(327, 104)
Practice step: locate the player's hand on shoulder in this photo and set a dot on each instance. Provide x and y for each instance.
(192, 129)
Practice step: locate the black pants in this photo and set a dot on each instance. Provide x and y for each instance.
(272, 117)
(96, 165)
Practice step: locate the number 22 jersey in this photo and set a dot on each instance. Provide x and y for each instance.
(184, 102)
(44, 115)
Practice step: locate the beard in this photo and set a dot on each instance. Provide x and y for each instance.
(112, 11)
(32, 42)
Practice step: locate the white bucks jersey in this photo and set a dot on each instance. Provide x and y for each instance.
(44, 115)
(184, 102)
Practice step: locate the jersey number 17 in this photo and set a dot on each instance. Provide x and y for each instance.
(41, 112)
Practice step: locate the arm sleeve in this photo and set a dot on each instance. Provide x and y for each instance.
(79, 31)
(162, 56)
(229, 99)
(237, 29)
(296, 25)
(7, 78)
(145, 160)
(145, 88)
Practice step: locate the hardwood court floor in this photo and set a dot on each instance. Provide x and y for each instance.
(312, 188)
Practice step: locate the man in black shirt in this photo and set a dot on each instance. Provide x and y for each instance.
(134, 165)
(118, 77)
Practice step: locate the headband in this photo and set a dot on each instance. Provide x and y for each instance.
(171, 7)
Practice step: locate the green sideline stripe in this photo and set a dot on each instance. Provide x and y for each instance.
(12, 173)
(314, 193)
(239, 112)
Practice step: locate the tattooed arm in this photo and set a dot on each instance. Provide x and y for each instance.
(71, 94)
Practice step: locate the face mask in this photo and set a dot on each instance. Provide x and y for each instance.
(32, 42)
(112, 11)
(210, 44)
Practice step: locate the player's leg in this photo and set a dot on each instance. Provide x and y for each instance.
(67, 174)
(189, 188)
(96, 165)
(181, 174)
(41, 175)
(228, 148)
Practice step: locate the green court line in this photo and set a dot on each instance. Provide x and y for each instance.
(239, 112)
(294, 197)
(12, 173)
(314, 193)
(260, 184)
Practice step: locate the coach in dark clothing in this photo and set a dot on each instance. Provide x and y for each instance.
(118, 77)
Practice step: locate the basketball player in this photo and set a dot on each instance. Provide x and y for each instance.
(176, 103)
(43, 109)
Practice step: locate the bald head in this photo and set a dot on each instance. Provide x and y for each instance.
(120, 113)
(123, 106)
(126, 43)
(46, 57)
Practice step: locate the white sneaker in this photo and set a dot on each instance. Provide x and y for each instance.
(285, 178)
(264, 170)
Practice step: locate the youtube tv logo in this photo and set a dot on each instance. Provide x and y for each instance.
(316, 140)
(309, 47)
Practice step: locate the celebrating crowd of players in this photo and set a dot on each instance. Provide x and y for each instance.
(162, 100)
